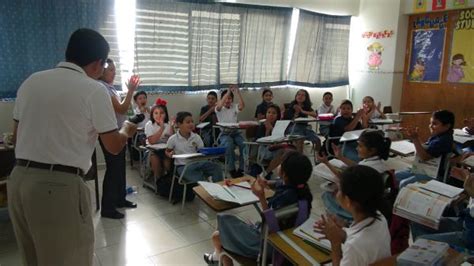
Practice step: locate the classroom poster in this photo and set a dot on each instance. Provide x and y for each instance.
(438, 5)
(459, 3)
(419, 6)
(426, 57)
(376, 42)
(461, 61)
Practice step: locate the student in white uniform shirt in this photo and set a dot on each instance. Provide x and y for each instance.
(326, 108)
(226, 112)
(49, 203)
(140, 99)
(158, 130)
(185, 142)
(371, 110)
(367, 239)
(374, 149)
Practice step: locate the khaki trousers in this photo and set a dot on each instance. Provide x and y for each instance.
(51, 217)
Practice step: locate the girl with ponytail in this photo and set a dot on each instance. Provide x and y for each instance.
(373, 148)
(243, 238)
(367, 239)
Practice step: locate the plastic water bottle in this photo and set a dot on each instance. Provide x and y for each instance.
(131, 190)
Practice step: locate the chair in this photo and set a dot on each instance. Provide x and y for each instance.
(387, 109)
(184, 182)
(330, 139)
(272, 221)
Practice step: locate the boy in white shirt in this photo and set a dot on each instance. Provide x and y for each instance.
(326, 108)
(227, 112)
(367, 239)
(185, 142)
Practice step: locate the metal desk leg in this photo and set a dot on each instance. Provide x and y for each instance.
(97, 203)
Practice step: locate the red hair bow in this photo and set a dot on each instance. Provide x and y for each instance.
(160, 101)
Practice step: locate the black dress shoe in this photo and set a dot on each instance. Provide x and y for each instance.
(209, 259)
(127, 204)
(112, 214)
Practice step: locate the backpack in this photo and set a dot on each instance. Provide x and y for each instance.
(164, 185)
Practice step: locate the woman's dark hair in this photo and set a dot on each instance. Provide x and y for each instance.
(163, 108)
(307, 100)
(445, 117)
(298, 169)
(364, 186)
(346, 102)
(86, 46)
(375, 140)
(213, 93)
(224, 92)
(327, 93)
(180, 116)
(277, 109)
(266, 90)
(138, 93)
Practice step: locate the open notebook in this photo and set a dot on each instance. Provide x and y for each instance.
(278, 132)
(425, 203)
(239, 193)
(306, 231)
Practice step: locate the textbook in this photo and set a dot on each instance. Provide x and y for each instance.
(306, 232)
(423, 252)
(278, 132)
(425, 203)
(321, 170)
(239, 193)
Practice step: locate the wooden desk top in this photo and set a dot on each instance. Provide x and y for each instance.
(219, 205)
(452, 257)
(292, 254)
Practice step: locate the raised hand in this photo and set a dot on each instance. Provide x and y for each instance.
(133, 83)
(258, 190)
(322, 158)
(411, 133)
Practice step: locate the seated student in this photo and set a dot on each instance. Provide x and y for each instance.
(243, 238)
(347, 122)
(267, 97)
(326, 108)
(438, 145)
(185, 141)
(373, 148)
(267, 152)
(371, 110)
(140, 99)
(158, 130)
(367, 239)
(458, 232)
(208, 114)
(301, 107)
(227, 112)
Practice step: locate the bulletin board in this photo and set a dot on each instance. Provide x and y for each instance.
(453, 57)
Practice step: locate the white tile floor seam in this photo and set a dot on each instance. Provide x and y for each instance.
(155, 233)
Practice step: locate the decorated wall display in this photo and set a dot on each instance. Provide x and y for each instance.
(375, 46)
(461, 61)
(438, 5)
(459, 3)
(426, 55)
(419, 6)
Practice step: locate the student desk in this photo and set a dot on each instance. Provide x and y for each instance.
(305, 120)
(219, 205)
(452, 257)
(462, 138)
(296, 250)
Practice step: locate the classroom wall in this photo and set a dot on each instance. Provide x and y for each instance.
(384, 20)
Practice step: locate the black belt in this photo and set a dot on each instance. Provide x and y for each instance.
(52, 167)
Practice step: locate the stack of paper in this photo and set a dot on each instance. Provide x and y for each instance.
(423, 252)
(403, 147)
(306, 231)
(239, 193)
(425, 203)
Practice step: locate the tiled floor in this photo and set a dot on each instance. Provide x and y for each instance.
(156, 233)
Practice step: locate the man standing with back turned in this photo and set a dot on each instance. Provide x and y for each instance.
(57, 117)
